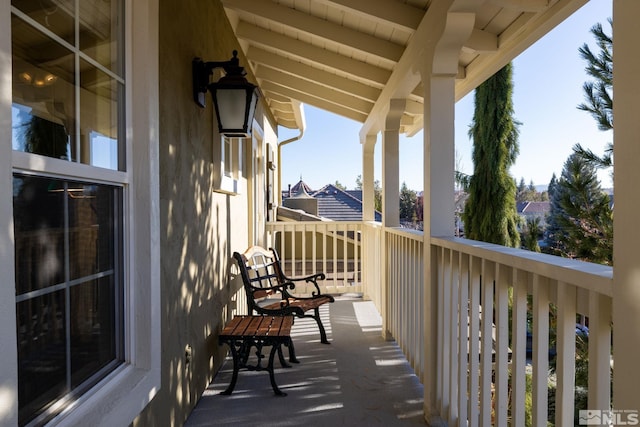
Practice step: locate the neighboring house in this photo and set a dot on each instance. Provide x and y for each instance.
(330, 202)
(530, 210)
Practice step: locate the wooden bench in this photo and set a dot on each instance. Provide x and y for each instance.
(268, 290)
(244, 332)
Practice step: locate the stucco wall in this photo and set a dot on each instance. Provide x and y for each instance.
(200, 228)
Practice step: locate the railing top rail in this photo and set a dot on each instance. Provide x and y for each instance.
(594, 277)
(406, 232)
(319, 223)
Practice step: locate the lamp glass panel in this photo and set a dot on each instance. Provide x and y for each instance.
(232, 105)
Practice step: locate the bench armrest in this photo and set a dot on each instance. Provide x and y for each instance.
(309, 279)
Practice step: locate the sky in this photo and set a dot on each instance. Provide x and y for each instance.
(547, 78)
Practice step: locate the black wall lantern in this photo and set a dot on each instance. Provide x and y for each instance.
(234, 98)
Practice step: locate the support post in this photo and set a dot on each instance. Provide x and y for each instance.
(626, 268)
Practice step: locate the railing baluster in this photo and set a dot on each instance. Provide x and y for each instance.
(599, 352)
(566, 353)
(540, 349)
(453, 336)
(501, 396)
(474, 341)
(486, 338)
(463, 340)
(519, 347)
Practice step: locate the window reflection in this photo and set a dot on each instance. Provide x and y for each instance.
(47, 83)
(56, 16)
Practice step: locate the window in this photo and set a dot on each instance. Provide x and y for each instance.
(68, 252)
(228, 168)
(67, 113)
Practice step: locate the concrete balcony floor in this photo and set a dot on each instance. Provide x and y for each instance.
(358, 380)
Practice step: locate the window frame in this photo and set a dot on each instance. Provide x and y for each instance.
(228, 164)
(122, 394)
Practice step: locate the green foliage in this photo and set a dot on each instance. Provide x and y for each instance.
(340, 186)
(531, 234)
(490, 212)
(408, 200)
(529, 193)
(599, 92)
(581, 219)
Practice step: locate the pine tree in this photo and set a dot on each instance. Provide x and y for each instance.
(599, 92)
(581, 220)
(408, 200)
(490, 213)
(531, 235)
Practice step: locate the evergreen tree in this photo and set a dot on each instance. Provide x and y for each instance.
(599, 93)
(580, 214)
(408, 200)
(532, 233)
(490, 212)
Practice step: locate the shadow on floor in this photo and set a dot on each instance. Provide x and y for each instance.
(358, 380)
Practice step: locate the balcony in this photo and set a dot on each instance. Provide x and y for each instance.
(463, 332)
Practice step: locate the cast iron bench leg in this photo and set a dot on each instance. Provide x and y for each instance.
(236, 368)
(272, 376)
(323, 334)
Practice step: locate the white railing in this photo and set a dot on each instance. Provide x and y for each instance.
(488, 300)
(404, 254)
(333, 248)
(482, 363)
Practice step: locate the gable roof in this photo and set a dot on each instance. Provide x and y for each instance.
(334, 203)
(533, 208)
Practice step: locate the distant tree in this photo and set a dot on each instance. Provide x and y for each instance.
(599, 92)
(553, 229)
(531, 234)
(490, 211)
(377, 192)
(580, 219)
(340, 186)
(408, 200)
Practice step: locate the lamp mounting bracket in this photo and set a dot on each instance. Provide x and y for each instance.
(203, 70)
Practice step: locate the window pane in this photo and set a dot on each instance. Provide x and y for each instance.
(100, 33)
(99, 103)
(42, 368)
(56, 16)
(91, 229)
(43, 94)
(92, 328)
(38, 209)
(68, 251)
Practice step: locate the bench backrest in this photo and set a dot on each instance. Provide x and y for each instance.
(261, 272)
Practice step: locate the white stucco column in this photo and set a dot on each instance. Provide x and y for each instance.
(368, 178)
(626, 270)
(391, 164)
(439, 69)
(390, 195)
